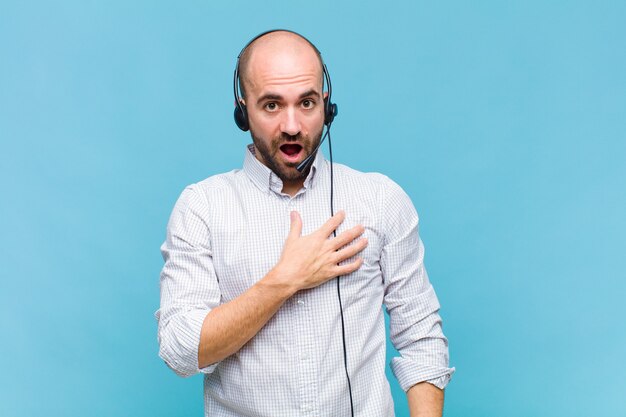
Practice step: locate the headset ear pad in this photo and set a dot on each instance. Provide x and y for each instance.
(241, 117)
(330, 111)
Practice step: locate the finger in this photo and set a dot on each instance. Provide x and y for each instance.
(332, 223)
(346, 237)
(295, 227)
(349, 251)
(348, 268)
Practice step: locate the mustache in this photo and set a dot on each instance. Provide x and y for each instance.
(290, 138)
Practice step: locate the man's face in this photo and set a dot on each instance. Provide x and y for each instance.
(284, 100)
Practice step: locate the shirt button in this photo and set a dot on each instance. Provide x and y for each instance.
(301, 302)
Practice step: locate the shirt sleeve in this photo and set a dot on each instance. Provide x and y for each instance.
(413, 307)
(189, 287)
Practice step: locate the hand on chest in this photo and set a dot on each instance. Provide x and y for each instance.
(245, 252)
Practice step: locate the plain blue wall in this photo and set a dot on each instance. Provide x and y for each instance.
(504, 121)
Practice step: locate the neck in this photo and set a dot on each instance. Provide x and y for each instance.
(292, 187)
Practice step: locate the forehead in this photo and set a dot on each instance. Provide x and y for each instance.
(282, 61)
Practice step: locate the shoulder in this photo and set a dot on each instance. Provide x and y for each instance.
(198, 196)
(218, 183)
(214, 185)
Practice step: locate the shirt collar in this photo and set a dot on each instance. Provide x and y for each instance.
(266, 180)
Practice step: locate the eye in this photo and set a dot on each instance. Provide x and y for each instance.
(308, 103)
(271, 106)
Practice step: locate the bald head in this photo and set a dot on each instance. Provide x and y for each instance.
(274, 49)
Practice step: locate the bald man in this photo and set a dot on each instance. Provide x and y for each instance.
(249, 289)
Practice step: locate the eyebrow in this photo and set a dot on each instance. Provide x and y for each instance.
(310, 93)
(273, 96)
(269, 96)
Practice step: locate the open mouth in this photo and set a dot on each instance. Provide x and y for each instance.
(291, 150)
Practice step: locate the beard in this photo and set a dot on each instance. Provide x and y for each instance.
(270, 154)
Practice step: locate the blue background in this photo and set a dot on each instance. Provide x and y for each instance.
(504, 121)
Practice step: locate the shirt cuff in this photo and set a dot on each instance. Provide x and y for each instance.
(180, 341)
(196, 320)
(409, 374)
(442, 381)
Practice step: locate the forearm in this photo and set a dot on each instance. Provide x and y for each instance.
(231, 325)
(425, 400)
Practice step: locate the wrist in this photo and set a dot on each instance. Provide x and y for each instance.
(278, 283)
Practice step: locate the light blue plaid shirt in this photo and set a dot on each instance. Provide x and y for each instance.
(226, 232)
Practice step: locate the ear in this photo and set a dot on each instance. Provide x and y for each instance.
(325, 95)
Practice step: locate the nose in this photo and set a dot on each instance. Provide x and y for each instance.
(290, 123)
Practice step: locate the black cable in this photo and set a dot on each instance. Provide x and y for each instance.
(343, 326)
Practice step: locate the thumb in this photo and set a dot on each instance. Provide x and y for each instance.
(295, 229)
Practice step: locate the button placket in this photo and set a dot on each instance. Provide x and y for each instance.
(306, 347)
(302, 310)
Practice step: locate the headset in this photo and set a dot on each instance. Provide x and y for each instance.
(330, 111)
(241, 114)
